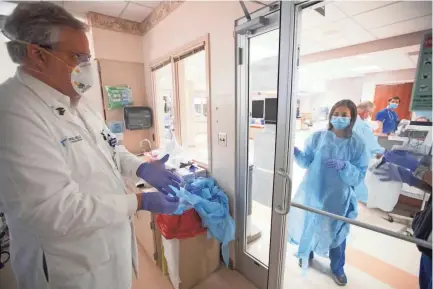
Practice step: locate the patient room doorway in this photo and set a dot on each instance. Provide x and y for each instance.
(302, 58)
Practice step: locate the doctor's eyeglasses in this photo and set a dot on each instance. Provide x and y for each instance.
(79, 57)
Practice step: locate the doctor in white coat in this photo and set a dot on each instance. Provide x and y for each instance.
(60, 187)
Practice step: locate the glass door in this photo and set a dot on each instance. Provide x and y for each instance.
(259, 112)
(278, 225)
(330, 232)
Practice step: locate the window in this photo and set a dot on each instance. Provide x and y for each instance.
(162, 77)
(192, 84)
(182, 99)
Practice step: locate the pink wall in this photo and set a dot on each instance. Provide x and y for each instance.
(187, 23)
(121, 60)
(117, 46)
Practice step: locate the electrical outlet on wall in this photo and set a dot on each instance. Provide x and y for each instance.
(222, 139)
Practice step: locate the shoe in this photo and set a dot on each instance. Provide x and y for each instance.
(341, 280)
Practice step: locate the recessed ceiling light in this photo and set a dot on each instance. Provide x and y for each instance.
(6, 8)
(366, 68)
(362, 56)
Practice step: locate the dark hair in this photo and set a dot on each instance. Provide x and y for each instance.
(353, 115)
(394, 97)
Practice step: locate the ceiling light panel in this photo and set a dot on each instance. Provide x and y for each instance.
(135, 12)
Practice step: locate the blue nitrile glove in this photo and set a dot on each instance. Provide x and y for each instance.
(387, 174)
(401, 158)
(297, 151)
(157, 176)
(159, 203)
(335, 164)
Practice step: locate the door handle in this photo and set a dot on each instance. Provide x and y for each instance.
(285, 208)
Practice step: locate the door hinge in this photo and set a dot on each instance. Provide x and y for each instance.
(152, 226)
(155, 256)
(241, 56)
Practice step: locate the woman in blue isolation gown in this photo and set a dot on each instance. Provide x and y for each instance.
(336, 162)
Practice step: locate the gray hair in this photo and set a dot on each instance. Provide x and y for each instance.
(37, 23)
(366, 105)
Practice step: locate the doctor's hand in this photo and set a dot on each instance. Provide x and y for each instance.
(158, 203)
(157, 176)
(335, 164)
(401, 158)
(396, 174)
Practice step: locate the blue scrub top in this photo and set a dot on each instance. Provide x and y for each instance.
(389, 119)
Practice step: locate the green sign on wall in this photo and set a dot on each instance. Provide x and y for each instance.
(422, 90)
(118, 96)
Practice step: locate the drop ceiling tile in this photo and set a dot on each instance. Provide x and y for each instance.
(414, 59)
(404, 27)
(311, 18)
(338, 34)
(357, 7)
(151, 4)
(135, 12)
(394, 13)
(110, 8)
(6, 8)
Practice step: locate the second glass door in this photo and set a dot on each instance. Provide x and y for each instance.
(282, 105)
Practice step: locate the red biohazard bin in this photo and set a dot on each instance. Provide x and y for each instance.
(184, 226)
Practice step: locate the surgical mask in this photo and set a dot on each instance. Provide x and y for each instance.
(340, 122)
(81, 77)
(393, 105)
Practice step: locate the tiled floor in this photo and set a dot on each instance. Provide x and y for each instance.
(150, 277)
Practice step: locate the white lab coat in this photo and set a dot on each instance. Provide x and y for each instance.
(64, 199)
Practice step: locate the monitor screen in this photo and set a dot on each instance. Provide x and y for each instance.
(138, 117)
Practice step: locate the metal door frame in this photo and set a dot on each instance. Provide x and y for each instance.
(263, 21)
(289, 13)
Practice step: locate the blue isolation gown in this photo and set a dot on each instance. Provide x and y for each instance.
(328, 190)
(365, 132)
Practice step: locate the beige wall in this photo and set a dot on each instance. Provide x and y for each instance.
(355, 88)
(121, 60)
(117, 46)
(187, 23)
(373, 79)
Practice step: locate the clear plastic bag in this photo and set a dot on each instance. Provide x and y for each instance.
(382, 195)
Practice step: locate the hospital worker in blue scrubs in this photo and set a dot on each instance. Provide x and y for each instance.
(336, 161)
(365, 132)
(388, 116)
